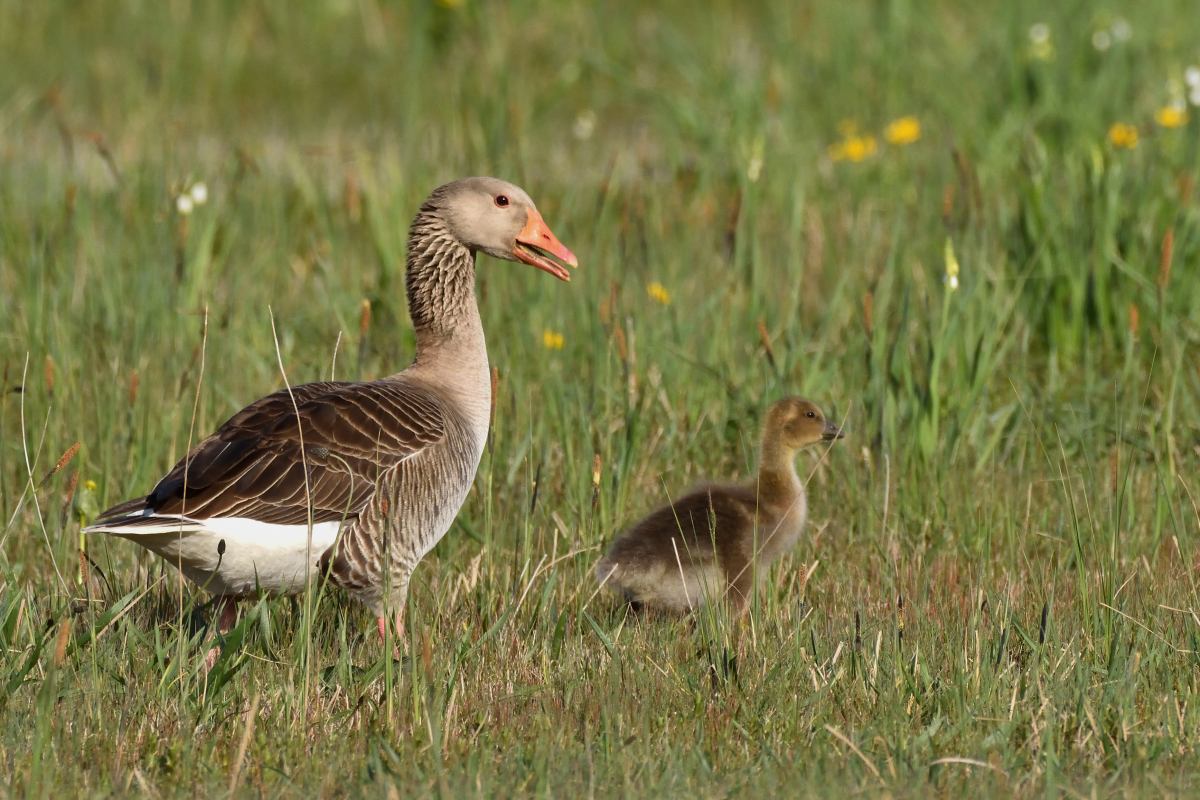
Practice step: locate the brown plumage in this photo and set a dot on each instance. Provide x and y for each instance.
(252, 466)
(354, 480)
(715, 541)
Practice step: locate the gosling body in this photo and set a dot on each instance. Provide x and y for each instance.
(716, 541)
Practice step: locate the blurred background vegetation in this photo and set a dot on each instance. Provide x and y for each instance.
(970, 230)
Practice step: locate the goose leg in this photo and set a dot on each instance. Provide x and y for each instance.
(226, 617)
(400, 644)
(397, 620)
(741, 588)
(740, 602)
(382, 624)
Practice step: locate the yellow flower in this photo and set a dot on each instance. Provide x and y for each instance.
(905, 130)
(552, 340)
(658, 293)
(1042, 52)
(1171, 116)
(854, 148)
(90, 485)
(1123, 135)
(1041, 48)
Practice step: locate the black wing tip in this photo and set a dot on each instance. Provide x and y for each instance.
(137, 507)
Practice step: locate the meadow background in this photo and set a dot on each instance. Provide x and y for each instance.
(998, 590)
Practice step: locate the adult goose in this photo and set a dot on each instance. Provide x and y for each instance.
(354, 480)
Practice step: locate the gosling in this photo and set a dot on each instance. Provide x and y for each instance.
(714, 541)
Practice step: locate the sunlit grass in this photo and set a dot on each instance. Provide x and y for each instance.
(997, 592)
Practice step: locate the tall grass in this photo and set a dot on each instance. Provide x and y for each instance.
(997, 590)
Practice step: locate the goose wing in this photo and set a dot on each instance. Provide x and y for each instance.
(344, 436)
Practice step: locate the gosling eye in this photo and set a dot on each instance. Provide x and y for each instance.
(502, 200)
(811, 414)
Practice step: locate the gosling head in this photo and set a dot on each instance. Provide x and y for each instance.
(498, 218)
(796, 423)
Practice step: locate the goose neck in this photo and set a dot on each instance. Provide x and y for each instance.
(778, 483)
(440, 283)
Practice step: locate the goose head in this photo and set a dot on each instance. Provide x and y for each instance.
(495, 217)
(797, 423)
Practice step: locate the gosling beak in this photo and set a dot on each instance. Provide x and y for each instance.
(831, 432)
(537, 246)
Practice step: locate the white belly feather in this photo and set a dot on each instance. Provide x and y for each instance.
(257, 556)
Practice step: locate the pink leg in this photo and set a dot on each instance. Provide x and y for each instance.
(226, 613)
(381, 623)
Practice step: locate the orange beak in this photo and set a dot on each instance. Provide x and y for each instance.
(536, 243)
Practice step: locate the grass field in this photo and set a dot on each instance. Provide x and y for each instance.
(998, 589)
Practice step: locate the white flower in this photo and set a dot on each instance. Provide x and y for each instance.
(184, 204)
(1121, 29)
(199, 193)
(951, 265)
(1039, 33)
(1101, 40)
(1191, 76)
(755, 164)
(584, 125)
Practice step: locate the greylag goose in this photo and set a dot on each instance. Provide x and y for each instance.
(713, 542)
(354, 480)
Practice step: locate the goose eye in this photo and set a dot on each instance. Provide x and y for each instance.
(811, 414)
(502, 200)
